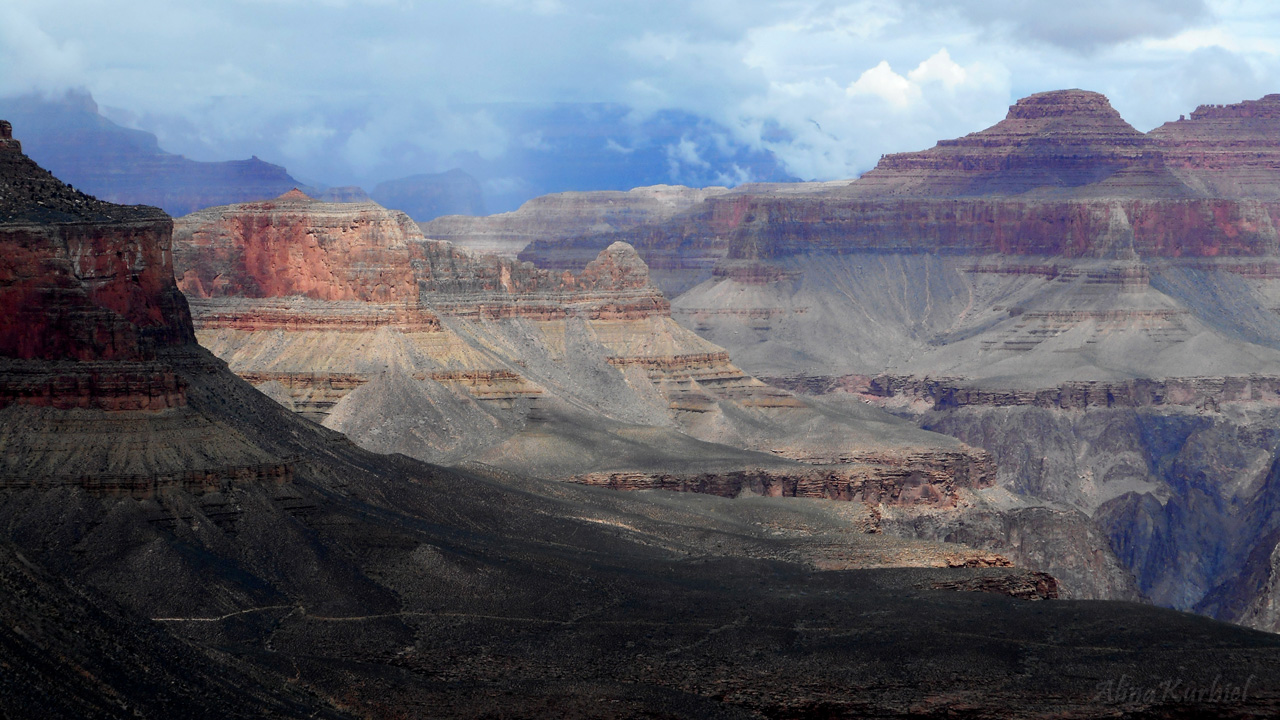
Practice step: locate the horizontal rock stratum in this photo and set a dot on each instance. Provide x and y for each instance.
(580, 376)
(1062, 175)
(97, 350)
(1094, 305)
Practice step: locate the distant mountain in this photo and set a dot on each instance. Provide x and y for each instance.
(121, 165)
(429, 196)
(344, 194)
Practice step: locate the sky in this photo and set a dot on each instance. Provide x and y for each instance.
(358, 91)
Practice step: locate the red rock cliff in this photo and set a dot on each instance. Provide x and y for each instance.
(294, 245)
(79, 278)
(1053, 140)
(91, 320)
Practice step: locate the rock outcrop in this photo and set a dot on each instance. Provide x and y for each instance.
(1226, 150)
(92, 319)
(86, 281)
(1050, 143)
(348, 251)
(560, 217)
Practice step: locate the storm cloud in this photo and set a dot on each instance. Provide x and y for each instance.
(358, 91)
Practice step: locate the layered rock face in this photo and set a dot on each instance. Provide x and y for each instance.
(560, 217)
(374, 585)
(271, 249)
(86, 281)
(1049, 143)
(82, 279)
(1062, 175)
(95, 344)
(1002, 286)
(1226, 150)
(580, 376)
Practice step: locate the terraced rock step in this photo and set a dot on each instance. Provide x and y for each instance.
(517, 365)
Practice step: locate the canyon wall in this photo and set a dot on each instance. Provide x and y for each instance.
(93, 323)
(1062, 175)
(576, 375)
(561, 217)
(1018, 288)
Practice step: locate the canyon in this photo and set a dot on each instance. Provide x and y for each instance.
(579, 376)
(421, 347)
(347, 583)
(1094, 306)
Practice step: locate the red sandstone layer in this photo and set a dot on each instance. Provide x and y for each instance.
(88, 281)
(97, 349)
(294, 245)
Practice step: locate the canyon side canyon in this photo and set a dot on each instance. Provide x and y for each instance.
(177, 544)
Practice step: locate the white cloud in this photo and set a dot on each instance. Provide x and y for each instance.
(684, 159)
(882, 82)
(827, 85)
(32, 60)
(306, 140)
(613, 146)
(940, 69)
